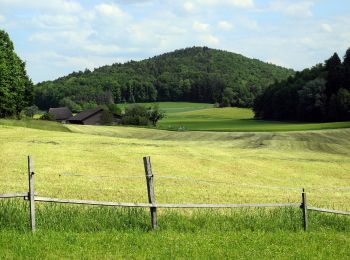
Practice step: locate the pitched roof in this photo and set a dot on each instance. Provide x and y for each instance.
(60, 113)
(85, 114)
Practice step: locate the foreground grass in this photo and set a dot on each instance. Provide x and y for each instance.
(94, 232)
(170, 244)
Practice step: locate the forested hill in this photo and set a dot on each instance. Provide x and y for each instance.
(197, 74)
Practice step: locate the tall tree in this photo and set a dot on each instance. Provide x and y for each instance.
(16, 89)
(333, 67)
(346, 70)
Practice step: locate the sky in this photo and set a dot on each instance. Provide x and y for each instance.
(57, 37)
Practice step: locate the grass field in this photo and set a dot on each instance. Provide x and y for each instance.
(98, 233)
(183, 116)
(317, 161)
(209, 167)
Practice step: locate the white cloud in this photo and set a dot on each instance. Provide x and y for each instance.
(201, 27)
(69, 6)
(64, 39)
(192, 5)
(292, 9)
(209, 39)
(189, 7)
(2, 18)
(110, 10)
(242, 3)
(225, 25)
(56, 21)
(249, 24)
(326, 27)
(102, 49)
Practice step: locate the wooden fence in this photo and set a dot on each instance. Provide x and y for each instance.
(32, 198)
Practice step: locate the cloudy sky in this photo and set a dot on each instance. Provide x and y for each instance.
(56, 37)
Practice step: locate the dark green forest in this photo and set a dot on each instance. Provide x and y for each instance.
(197, 74)
(16, 89)
(321, 93)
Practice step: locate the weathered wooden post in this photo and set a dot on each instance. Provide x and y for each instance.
(150, 191)
(31, 193)
(304, 208)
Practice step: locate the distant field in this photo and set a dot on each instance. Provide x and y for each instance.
(176, 107)
(182, 116)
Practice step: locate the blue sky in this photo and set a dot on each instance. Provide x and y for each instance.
(56, 37)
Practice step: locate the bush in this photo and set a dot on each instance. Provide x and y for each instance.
(155, 114)
(30, 111)
(106, 118)
(135, 115)
(47, 116)
(140, 115)
(114, 109)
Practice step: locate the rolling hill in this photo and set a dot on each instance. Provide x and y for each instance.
(198, 74)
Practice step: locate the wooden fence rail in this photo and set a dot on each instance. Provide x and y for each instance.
(32, 197)
(330, 211)
(14, 195)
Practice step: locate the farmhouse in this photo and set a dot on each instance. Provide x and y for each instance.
(60, 114)
(88, 117)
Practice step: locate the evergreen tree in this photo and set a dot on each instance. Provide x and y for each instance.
(334, 75)
(346, 70)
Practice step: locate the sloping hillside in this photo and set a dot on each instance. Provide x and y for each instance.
(196, 74)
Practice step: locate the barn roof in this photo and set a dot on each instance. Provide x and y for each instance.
(60, 113)
(85, 114)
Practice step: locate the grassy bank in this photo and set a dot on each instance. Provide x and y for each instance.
(94, 232)
(35, 124)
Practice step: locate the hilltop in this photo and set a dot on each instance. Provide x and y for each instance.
(197, 74)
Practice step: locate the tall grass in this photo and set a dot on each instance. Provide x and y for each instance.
(14, 215)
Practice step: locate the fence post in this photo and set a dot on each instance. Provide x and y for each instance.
(31, 193)
(150, 191)
(304, 209)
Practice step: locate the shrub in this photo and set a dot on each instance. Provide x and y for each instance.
(140, 115)
(30, 111)
(135, 115)
(106, 118)
(47, 116)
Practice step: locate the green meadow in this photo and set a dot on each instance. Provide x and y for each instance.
(105, 163)
(184, 116)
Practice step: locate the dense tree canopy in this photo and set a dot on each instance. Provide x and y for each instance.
(321, 93)
(16, 89)
(193, 74)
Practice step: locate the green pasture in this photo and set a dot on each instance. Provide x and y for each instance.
(183, 116)
(174, 107)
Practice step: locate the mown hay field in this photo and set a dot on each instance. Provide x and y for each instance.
(189, 167)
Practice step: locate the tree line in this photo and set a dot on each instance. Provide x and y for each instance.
(321, 93)
(196, 74)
